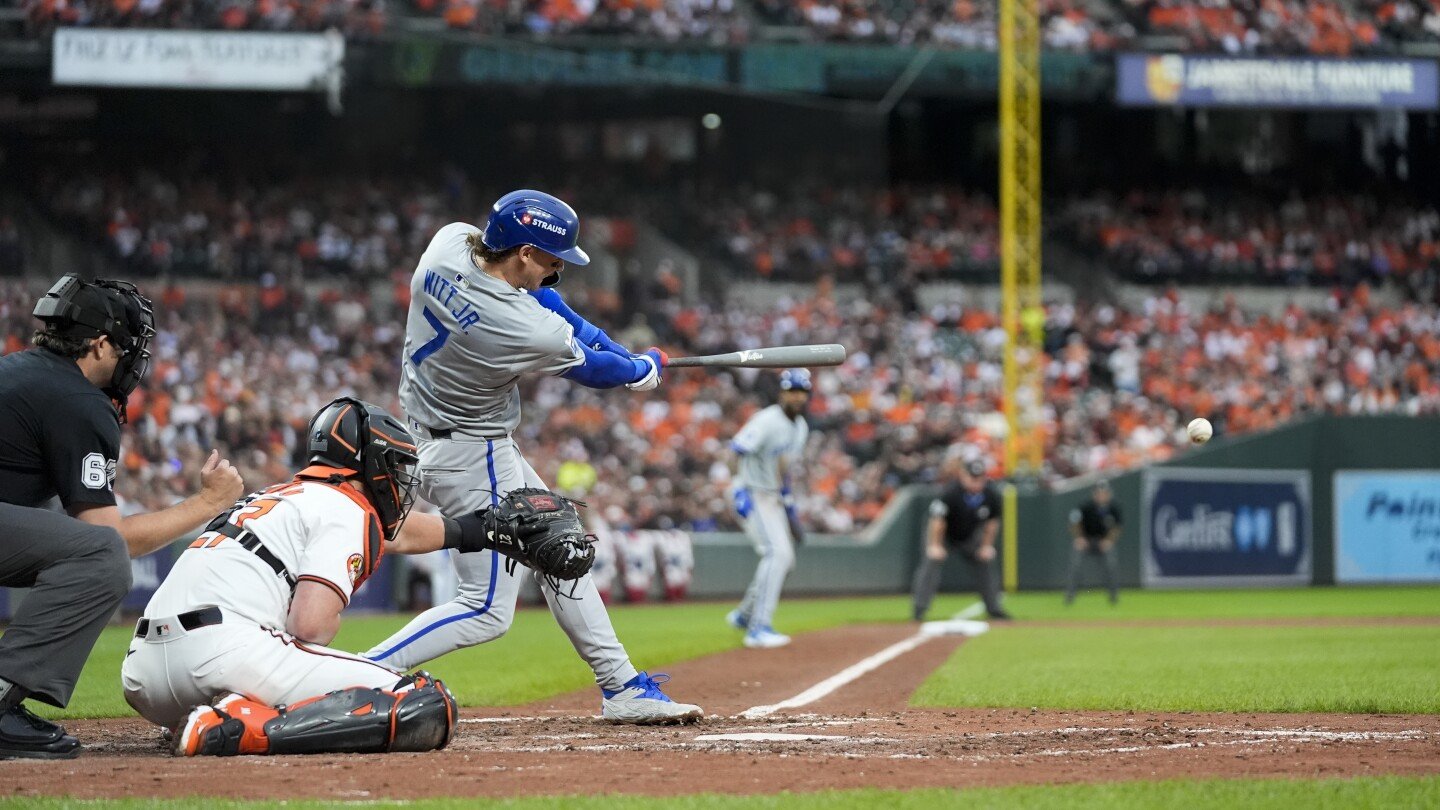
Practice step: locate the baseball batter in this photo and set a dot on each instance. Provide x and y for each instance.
(768, 446)
(482, 315)
(231, 653)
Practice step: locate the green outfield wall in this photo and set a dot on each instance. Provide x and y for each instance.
(883, 558)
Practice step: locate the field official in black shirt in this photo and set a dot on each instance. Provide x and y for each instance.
(1094, 528)
(61, 407)
(966, 519)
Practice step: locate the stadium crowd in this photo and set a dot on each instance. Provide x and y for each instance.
(189, 223)
(1321, 27)
(718, 21)
(355, 18)
(934, 233)
(919, 234)
(192, 222)
(243, 371)
(1194, 236)
(1072, 25)
(1324, 27)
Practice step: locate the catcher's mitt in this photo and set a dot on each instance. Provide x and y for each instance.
(542, 530)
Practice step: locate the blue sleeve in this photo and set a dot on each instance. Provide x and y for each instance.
(603, 369)
(587, 333)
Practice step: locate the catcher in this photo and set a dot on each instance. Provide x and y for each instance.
(231, 653)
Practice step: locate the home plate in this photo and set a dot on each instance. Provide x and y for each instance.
(761, 736)
(954, 627)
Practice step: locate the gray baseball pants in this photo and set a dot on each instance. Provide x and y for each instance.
(461, 476)
(77, 575)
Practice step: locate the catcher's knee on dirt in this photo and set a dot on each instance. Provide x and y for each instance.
(418, 715)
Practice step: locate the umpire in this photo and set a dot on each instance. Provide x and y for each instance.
(1094, 528)
(61, 407)
(966, 518)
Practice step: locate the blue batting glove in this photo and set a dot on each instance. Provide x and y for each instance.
(743, 504)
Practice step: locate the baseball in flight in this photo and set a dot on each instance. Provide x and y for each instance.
(1200, 430)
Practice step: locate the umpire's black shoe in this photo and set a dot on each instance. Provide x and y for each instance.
(1001, 616)
(25, 736)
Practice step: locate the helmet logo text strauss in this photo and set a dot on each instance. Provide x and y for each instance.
(528, 218)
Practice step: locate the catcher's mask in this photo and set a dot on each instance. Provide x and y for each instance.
(351, 434)
(81, 309)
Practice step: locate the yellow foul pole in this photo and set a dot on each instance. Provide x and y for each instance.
(1021, 305)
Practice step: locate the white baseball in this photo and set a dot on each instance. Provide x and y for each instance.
(1200, 430)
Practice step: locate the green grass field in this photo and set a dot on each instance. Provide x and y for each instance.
(535, 660)
(1221, 669)
(1370, 668)
(1390, 793)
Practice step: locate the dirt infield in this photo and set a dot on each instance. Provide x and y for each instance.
(860, 735)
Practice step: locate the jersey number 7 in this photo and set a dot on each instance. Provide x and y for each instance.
(433, 345)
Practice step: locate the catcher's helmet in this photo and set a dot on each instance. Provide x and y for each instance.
(795, 379)
(364, 439)
(529, 217)
(82, 309)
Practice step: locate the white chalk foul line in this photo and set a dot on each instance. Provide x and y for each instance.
(971, 612)
(840, 678)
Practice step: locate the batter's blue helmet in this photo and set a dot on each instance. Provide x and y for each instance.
(795, 379)
(529, 217)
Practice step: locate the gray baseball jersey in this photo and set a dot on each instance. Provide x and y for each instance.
(468, 338)
(768, 435)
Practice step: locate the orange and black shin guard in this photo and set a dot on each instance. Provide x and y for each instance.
(418, 716)
(253, 715)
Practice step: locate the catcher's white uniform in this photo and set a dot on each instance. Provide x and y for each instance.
(317, 531)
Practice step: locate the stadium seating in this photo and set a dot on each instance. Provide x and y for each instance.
(1234, 26)
(243, 369)
(191, 224)
(1197, 237)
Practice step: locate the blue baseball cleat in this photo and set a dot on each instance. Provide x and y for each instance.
(641, 702)
(765, 638)
(737, 620)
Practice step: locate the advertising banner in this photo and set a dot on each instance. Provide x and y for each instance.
(1220, 527)
(1387, 526)
(202, 60)
(851, 70)
(1157, 80)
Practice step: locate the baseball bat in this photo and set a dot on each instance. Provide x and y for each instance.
(826, 354)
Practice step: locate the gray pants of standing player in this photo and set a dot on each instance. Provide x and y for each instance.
(461, 476)
(1107, 561)
(77, 575)
(927, 580)
(769, 530)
